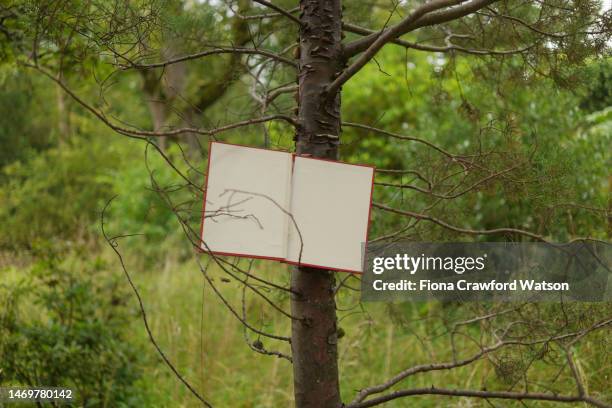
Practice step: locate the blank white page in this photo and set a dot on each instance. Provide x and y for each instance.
(330, 203)
(247, 191)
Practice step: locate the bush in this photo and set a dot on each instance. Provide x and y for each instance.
(63, 324)
(146, 190)
(55, 194)
(59, 195)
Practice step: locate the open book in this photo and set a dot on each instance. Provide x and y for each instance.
(271, 204)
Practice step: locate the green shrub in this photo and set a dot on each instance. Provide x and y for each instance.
(53, 195)
(146, 190)
(63, 324)
(59, 195)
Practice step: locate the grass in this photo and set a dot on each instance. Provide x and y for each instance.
(207, 344)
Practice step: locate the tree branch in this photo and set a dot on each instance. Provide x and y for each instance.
(147, 133)
(448, 195)
(371, 44)
(481, 394)
(364, 393)
(272, 95)
(441, 223)
(401, 137)
(422, 368)
(279, 10)
(216, 51)
(362, 44)
(113, 244)
(434, 48)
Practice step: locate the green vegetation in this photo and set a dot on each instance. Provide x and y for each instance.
(60, 326)
(68, 316)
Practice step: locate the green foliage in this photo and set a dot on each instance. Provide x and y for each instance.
(146, 191)
(599, 94)
(55, 194)
(21, 101)
(63, 324)
(59, 194)
(526, 127)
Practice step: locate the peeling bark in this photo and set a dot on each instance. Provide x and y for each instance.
(314, 336)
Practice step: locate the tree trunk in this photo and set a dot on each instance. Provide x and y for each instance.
(314, 336)
(63, 113)
(157, 103)
(162, 88)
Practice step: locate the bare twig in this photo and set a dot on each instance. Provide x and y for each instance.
(279, 10)
(216, 51)
(113, 244)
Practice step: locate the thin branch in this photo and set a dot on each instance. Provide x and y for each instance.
(113, 244)
(363, 394)
(257, 346)
(533, 28)
(481, 394)
(141, 134)
(216, 51)
(279, 10)
(422, 368)
(264, 15)
(272, 95)
(234, 313)
(401, 137)
(454, 195)
(434, 48)
(371, 44)
(495, 231)
(441, 223)
(575, 373)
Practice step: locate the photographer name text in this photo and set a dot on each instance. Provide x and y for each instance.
(464, 285)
